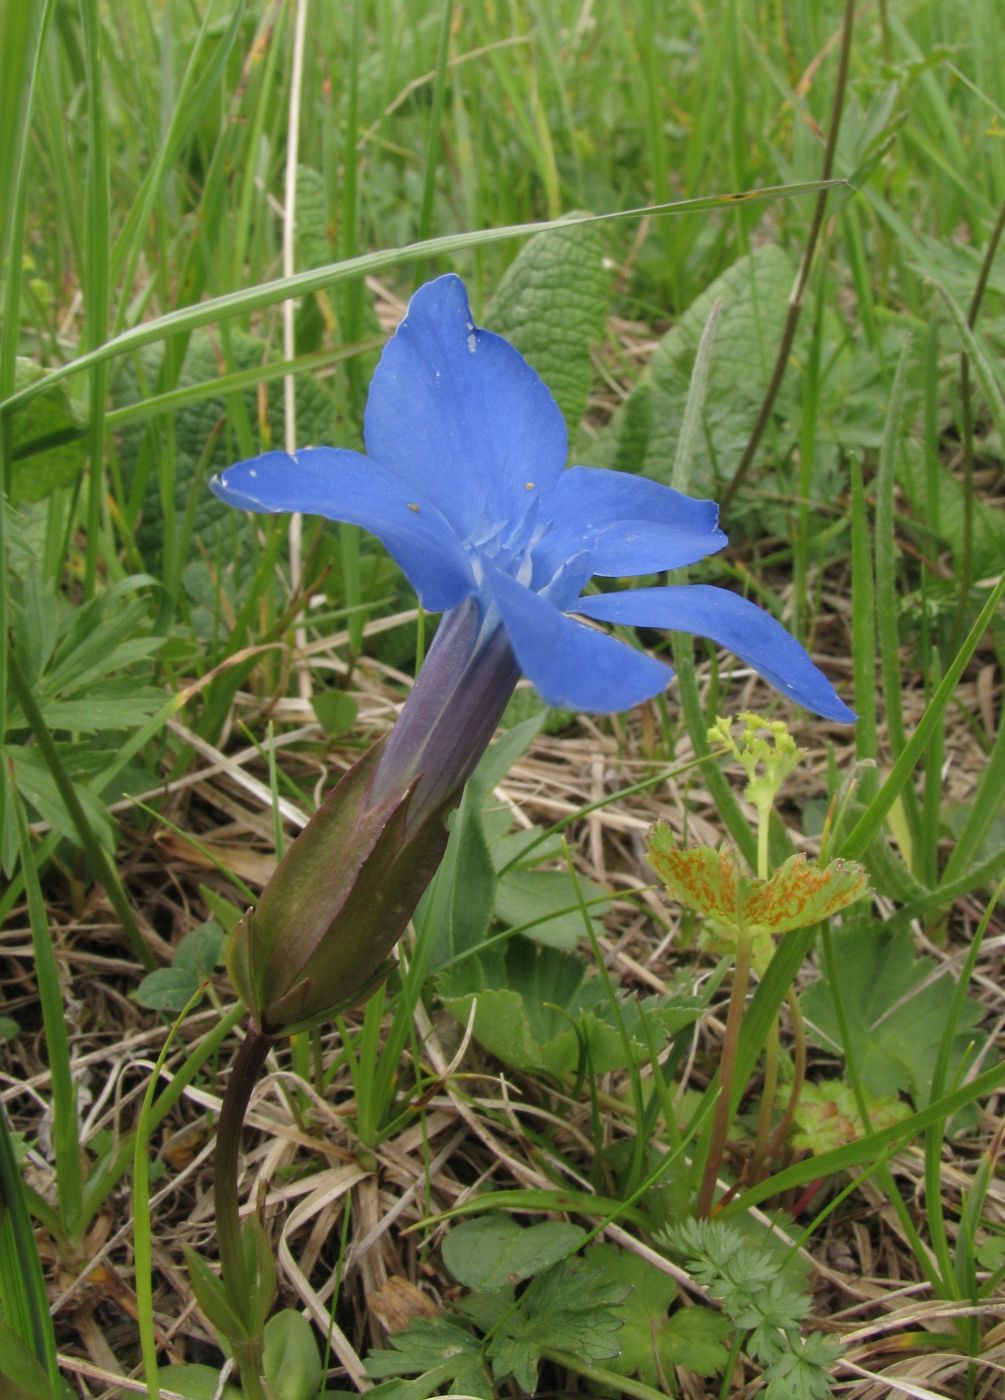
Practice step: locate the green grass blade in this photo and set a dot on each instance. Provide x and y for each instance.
(66, 1128)
(868, 825)
(888, 636)
(23, 1297)
(248, 299)
(142, 1231)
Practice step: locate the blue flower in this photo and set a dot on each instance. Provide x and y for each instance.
(464, 481)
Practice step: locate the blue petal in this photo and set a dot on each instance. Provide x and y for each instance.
(569, 663)
(343, 485)
(460, 415)
(626, 524)
(732, 622)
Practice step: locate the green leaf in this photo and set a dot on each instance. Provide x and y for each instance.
(198, 953)
(52, 415)
(570, 1309)
(896, 1014)
(987, 521)
(799, 1372)
(651, 1341)
(196, 1383)
(212, 1298)
(543, 905)
(335, 711)
(696, 1338)
(22, 1375)
(455, 910)
(38, 788)
(291, 1361)
(754, 293)
(643, 1312)
(536, 1006)
(166, 989)
(444, 1356)
(494, 1251)
(259, 1272)
(552, 305)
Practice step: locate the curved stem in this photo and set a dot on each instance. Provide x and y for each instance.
(243, 1078)
(727, 1069)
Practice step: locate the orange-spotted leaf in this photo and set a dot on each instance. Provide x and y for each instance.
(712, 883)
(800, 894)
(828, 1115)
(701, 879)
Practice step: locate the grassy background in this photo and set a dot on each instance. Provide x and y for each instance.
(145, 167)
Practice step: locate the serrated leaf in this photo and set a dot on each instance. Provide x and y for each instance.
(896, 1013)
(36, 785)
(800, 1373)
(552, 305)
(291, 1361)
(570, 1308)
(713, 883)
(643, 1312)
(494, 1251)
(442, 1355)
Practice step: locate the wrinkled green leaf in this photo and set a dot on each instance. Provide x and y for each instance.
(643, 436)
(211, 422)
(552, 305)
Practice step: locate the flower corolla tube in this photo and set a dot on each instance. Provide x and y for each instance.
(465, 482)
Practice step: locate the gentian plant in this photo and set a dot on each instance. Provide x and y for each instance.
(465, 482)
